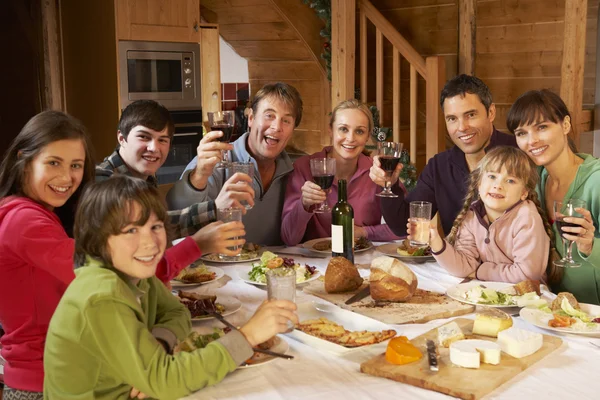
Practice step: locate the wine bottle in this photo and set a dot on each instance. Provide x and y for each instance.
(342, 225)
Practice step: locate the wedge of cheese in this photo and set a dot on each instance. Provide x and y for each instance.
(449, 333)
(471, 353)
(490, 321)
(520, 343)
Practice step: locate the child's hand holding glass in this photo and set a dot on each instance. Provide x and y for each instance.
(269, 319)
(221, 238)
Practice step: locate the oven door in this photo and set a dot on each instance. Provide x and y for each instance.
(183, 150)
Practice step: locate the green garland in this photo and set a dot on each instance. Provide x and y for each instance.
(323, 10)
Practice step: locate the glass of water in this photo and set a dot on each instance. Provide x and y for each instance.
(281, 285)
(229, 215)
(245, 168)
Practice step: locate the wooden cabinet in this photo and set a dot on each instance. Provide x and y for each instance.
(158, 20)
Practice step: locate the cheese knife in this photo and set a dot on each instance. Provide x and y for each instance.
(432, 356)
(361, 294)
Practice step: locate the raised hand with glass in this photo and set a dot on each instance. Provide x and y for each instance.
(562, 210)
(223, 121)
(323, 172)
(389, 156)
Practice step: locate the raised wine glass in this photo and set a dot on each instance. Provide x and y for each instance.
(389, 157)
(565, 209)
(323, 172)
(223, 121)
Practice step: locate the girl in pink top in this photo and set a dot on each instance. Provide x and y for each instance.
(350, 127)
(501, 234)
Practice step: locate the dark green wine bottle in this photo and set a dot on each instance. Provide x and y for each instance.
(342, 226)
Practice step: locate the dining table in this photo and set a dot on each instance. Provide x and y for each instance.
(570, 372)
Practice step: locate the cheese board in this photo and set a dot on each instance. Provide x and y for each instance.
(464, 383)
(422, 307)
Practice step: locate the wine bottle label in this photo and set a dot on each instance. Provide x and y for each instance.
(337, 238)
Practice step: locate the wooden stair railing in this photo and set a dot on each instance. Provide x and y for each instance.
(432, 70)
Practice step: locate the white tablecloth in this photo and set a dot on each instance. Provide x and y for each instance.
(571, 372)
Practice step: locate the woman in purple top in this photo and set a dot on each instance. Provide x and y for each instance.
(350, 127)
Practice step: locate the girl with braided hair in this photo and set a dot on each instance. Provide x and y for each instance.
(501, 233)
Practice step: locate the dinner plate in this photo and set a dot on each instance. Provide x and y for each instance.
(218, 271)
(231, 305)
(457, 292)
(245, 276)
(389, 249)
(214, 258)
(280, 346)
(310, 243)
(349, 320)
(540, 319)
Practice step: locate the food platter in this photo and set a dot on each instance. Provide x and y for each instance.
(458, 292)
(310, 245)
(214, 258)
(219, 273)
(390, 249)
(245, 276)
(540, 319)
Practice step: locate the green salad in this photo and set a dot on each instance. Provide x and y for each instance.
(270, 260)
(482, 295)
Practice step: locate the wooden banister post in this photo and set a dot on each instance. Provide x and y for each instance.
(467, 11)
(343, 34)
(435, 126)
(571, 77)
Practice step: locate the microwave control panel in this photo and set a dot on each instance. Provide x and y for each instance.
(188, 75)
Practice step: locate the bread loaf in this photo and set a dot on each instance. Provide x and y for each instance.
(557, 302)
(341, 276)
(391, 280)
(528, 286)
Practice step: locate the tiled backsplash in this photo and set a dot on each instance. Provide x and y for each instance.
(234, 95)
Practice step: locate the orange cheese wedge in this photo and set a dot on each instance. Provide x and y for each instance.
(401, 351)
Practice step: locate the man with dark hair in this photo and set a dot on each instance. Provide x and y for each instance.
(469, 114)
(276, 111)
(145, 133)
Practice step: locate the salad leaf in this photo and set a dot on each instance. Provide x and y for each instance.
(572, 312)
(267, 256)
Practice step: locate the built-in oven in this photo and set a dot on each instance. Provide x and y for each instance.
(165, 72)
(188, 132)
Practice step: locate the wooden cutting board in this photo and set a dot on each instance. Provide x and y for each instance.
(464, 383)
(422, 307)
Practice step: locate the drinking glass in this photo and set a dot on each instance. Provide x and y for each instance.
(229, 215)
(564, 210)
(323, 172)
(223, 121)
(420, 221)
(389, 157)
(245, 168)
(281, 285)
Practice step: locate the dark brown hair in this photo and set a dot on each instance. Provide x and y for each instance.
(283, 92)
(462, 84)
(106, 209)
(536, 106)
(146, 113)
(41, 130)
(519, 165)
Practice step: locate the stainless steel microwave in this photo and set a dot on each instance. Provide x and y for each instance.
(165, 72)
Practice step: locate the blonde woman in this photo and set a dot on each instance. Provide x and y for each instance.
(500, 233)
(350, 127)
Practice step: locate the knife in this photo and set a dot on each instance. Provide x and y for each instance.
(432, 356)
(361, 294)
(298, 251)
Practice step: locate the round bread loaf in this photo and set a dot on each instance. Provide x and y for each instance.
(341, 276)
(391, 280)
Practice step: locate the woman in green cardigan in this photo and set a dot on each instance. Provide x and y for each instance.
(541, 123)
(114, 329)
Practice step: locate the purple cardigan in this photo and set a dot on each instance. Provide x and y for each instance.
(298, 225)
(443, 182)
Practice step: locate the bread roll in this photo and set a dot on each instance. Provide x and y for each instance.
(341, 276)
(556, 304)
(391, 280)
(528, 286)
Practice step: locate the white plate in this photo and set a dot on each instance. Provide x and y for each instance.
(457, 292)
(245, 276)
(231, 305)
(540, 319)
(214, 258)
(349, 320)
(310, 243)
(280, 346)
(390, 250)
(218, 271)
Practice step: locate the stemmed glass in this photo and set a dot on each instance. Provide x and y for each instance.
(389, 157)
(564, 210)
(323, 172)
(223, 121)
